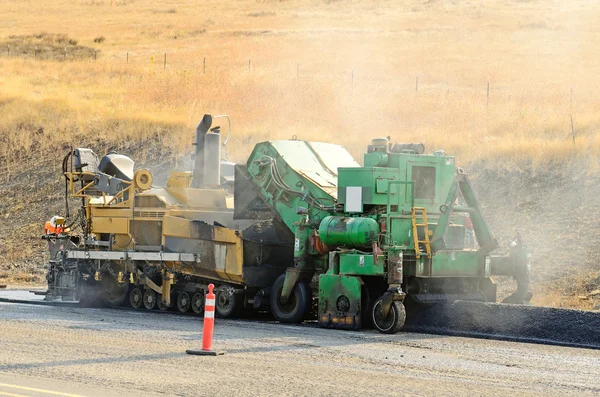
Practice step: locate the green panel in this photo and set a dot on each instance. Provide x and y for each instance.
(458, 264)
(340, 303)
(360, 265)
(431, 174)
(373, 180)
(401, 230)
(382, 186)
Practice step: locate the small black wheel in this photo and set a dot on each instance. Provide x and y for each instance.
(394, 320)
(149, 299)
(135, 298)
(295, 308)
(162, 305)
(226, 302)
(198, 303)
(183, 302)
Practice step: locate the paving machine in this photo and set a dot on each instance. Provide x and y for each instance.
(404, 227)
(134, 243)
(307, 232)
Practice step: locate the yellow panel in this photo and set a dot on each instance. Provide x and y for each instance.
(176, 227)
(180, 179)
(111, 212)
(235, 258)
(225, 235)
(199, 198)
(110, 225)
(123, 242)
(180, 227)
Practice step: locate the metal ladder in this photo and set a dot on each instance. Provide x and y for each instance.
(415, 228)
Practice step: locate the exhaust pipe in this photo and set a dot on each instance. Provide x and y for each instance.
(201, 130)
(207, 158)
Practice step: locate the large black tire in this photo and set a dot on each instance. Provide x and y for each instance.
(227, 303)
(298, 303)
(394, 320)
(114, 293)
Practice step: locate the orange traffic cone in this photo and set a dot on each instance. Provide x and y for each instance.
(209, 326)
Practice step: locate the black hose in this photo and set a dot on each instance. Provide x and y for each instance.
(67, 179)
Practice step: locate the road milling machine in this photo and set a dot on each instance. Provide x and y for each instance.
(309, 232)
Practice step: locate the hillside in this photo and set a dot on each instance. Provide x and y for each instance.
(494, 83)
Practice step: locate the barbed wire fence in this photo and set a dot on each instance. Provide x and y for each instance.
(202, 65)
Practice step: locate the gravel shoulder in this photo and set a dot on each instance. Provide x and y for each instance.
(144, 353)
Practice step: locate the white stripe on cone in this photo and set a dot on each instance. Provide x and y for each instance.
(209, 314)
(210, 302)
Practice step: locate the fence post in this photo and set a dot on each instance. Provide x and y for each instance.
(8, 47)
(204, 66)
(127, 61)
(95, 51)
(248, 64)
(571, 100)
(165, 65)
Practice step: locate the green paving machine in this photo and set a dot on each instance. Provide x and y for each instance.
(403, 230)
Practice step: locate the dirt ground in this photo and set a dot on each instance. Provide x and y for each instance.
(104, 352)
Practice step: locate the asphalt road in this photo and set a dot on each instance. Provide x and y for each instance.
(68, 351)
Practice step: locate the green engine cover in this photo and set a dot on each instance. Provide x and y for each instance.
(352, 232)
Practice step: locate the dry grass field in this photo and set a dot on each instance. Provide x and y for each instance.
(92, 73)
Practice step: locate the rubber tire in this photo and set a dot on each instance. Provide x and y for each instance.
(133, 294)
(149, 304)
(300, 299)
(162, 306)
(181, 307)
(195, 308)
(393, 324)
(228, 311)
(115, 299)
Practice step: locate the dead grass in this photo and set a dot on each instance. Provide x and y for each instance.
(20, 278)
(581, 292)
(46, 46)
(304, 56)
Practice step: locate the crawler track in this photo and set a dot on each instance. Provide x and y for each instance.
(517, 323)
